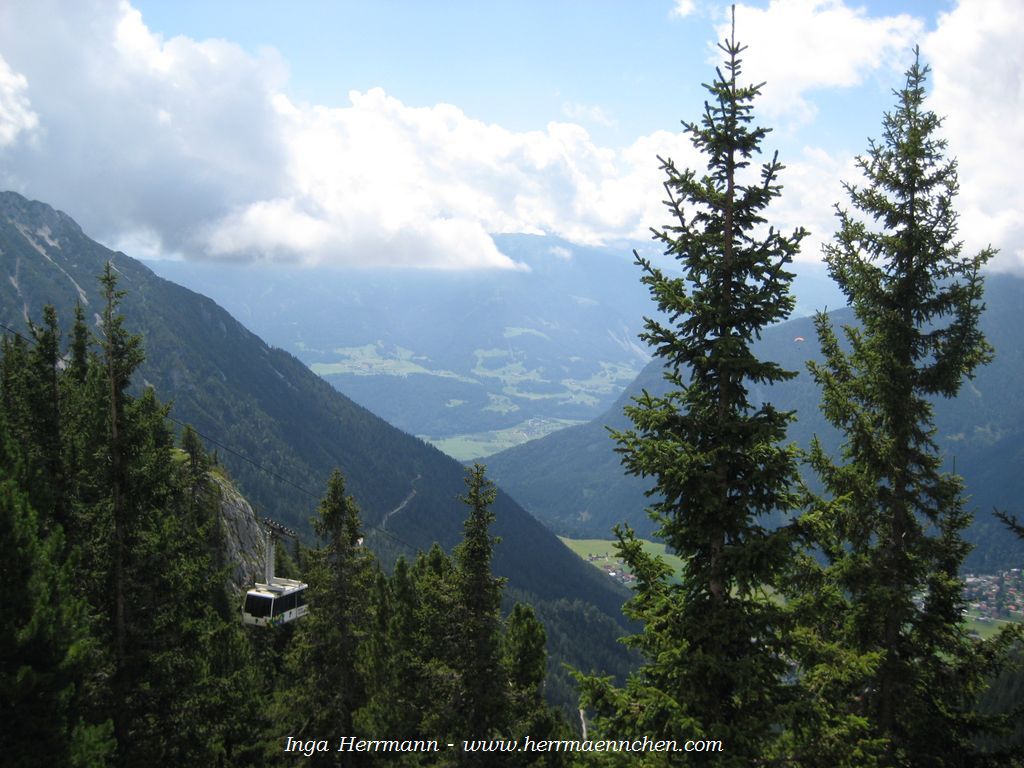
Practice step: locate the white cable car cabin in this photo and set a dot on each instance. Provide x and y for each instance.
(275, 601)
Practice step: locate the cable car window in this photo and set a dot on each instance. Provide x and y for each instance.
(300, 598)
(284, 604)
(258, 606)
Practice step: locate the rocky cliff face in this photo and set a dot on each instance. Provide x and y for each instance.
(243, 541)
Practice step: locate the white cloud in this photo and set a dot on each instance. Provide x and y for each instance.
(591, 113)
(978, 87)
(183, 147)
(812, 185)
(16, 115)
(682, 8)
(179, 147)
(137, 134)
(798, 46)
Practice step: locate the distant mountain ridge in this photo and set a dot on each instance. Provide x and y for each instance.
(441, 353)
(266, 404)
(447, 354)
(574, 482)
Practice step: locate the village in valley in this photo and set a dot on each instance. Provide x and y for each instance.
(994, 597)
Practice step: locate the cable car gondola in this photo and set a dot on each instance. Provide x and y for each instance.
(275, 601)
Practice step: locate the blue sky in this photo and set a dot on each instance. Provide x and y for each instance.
(404, 133)
(621, 69)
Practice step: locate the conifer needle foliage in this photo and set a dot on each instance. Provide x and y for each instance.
(714, 665)
(894, 653)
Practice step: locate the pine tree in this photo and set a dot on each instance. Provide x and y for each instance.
(327, 684)
(524, 662)
(890, 598)
(713, 656)
(43, 641)
(481, 705)
(44, 407)
(438, 642)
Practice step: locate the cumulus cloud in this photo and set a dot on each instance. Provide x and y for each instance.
(183, 147)
(682, 8)
(977, 63)
(423, 186)
(798, 46)
(138, 137)
(16, 115)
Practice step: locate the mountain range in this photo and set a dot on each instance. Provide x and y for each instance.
(472, 361)
(573, 479)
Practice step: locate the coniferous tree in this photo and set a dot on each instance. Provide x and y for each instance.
(142, 687)
(44, 411)
(141, 554)
(524, 662)
(481, 705)
(78, 359)
(394, 663)
(889, 600)
(438, 642)
(713, 656)
(43, 640)
(327, 684)
(122, 354)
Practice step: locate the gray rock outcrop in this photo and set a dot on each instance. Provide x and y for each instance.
(243, 539)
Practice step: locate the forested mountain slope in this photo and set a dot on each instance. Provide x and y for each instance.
(267, 405)
(573, 480)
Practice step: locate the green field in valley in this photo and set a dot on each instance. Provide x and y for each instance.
(601, 553)
(480, 444)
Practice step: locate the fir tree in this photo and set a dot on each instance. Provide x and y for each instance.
(327, 684)
(889, 601)
(438, 642)
(44, 409)
(481, 705)
(43, 641)
(524, 661)
(713, 656)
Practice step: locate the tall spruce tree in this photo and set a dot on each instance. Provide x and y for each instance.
(122, 354)
(890, 594)
(327, 684)
(481, 705)
(713, 658)
(525, 658)
(44, 643)
(438, 642)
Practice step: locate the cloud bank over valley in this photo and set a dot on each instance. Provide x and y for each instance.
(179, 147)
